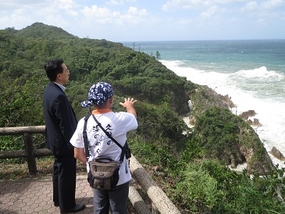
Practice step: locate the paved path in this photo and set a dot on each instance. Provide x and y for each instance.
(34, 195)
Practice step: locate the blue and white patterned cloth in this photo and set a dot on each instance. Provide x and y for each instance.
(98, 94)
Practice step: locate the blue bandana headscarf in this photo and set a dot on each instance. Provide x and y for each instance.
(98, 94)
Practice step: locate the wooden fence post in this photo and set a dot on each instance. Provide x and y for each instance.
(157, 196)
(30, 155)
(137, 201)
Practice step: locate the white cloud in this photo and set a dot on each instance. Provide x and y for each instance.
(8, 6)
(103, 15)
(264, 12)
(131, 19)
(213, 11)
(69, 6)
(184, 4)
(134, 16)
(113, 2)
(192, 4)
(265, 5)
(271, 4)
(250, 6)
(121, 2)
(20, 14)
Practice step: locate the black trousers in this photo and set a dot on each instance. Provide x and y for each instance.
(64, 181)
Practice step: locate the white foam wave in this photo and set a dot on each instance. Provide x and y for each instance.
(270, 111)
(261, 74)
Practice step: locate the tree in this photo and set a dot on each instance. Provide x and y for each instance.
(157, 55)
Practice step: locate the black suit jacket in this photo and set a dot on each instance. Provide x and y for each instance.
(60, 120)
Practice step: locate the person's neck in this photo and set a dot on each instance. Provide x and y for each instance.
(101, 110)
(60, 85)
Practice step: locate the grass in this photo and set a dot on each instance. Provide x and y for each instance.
(11, 170)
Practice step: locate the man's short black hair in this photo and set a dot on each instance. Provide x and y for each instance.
(52, 68)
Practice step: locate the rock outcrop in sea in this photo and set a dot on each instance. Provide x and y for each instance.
(226, 136)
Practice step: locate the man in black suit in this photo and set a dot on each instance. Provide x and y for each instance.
(60, 125)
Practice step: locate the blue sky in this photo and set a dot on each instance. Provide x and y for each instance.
(152, 20)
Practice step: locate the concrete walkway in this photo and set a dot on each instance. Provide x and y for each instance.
(34, 195)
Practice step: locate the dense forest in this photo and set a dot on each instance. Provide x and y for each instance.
(192, 163)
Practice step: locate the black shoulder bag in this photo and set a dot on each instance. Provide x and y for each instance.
(103, 171)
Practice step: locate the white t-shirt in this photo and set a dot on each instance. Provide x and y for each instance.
(117, 124)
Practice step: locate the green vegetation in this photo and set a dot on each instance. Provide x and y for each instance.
(190, 165)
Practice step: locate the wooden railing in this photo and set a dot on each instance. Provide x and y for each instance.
(160, 202)
(29, 153)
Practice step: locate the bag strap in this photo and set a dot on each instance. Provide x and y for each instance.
(110, 136)
(85, 137)
(107, 133)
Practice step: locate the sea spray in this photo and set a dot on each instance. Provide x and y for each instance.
(251, 72)
(269, 111)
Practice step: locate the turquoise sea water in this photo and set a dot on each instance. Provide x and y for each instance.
(251, 72)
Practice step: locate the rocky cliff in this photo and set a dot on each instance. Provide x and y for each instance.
(224, 135)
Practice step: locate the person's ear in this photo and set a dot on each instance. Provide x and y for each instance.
(58, 76)
(111, 100)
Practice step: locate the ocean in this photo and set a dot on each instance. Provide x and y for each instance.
(251, 72)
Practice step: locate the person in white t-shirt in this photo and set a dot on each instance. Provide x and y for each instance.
(118, 124)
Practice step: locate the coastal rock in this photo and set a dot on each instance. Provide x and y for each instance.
(225, 99)
(277, 154)
(260, 166)
(192, 121)
(249, 154)
(236, 159)
(206, 97)
(229, 102)
(255, 122)
(244, 154)
(245, 115)
(233, 141)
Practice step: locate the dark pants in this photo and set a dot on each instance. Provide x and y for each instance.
(116, 199)
(64, 181)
